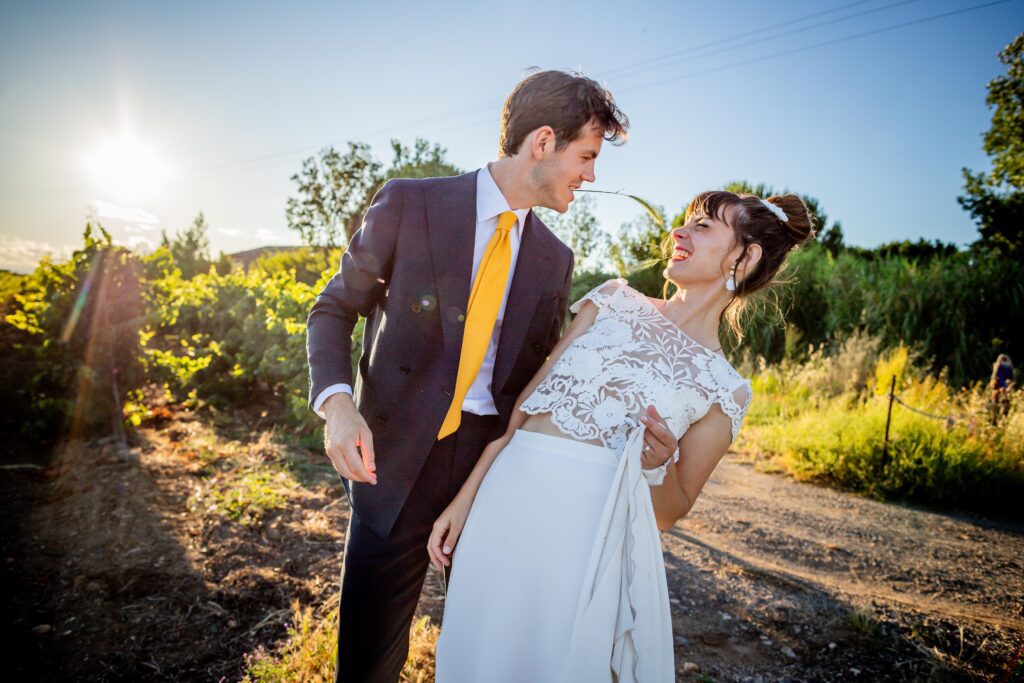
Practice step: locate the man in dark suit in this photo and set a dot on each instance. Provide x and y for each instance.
(464, 291)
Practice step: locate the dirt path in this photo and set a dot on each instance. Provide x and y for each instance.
(780, 580)
(127, 569)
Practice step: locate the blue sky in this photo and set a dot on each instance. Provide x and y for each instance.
(230, 99)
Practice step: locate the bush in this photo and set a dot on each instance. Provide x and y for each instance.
(820, 427)
(69, 336)
(235, 338)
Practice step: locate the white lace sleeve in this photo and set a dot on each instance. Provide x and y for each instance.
(600, 295)
(734, 402)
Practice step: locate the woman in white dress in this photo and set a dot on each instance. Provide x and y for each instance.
(556, 565)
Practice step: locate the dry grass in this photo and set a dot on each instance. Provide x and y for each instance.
(309, 652)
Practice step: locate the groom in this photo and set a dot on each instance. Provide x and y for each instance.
(464, 291)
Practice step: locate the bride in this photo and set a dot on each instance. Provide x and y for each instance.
(556, 565)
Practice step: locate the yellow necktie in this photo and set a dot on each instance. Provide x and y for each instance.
(482, 311)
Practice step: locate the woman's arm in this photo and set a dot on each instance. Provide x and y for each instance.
(449, 525)
(700, 450)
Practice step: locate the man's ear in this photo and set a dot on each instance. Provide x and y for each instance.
(542, 142)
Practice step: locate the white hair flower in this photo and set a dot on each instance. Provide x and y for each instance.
(777, 210)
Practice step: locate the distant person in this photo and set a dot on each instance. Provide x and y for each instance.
(557, 567)
(1002, 385)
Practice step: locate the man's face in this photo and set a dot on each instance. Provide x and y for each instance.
(561, 172)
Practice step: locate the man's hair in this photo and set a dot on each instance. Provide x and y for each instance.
(563, 100)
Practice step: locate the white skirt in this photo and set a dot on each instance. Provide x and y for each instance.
(539, 588)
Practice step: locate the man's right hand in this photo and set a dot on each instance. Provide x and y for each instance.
(348, 441)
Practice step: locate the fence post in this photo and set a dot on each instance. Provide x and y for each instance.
(888, 420)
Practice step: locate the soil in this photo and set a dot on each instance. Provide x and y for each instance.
(118, 570)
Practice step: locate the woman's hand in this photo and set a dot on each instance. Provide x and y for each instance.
(446, 532)
(659, 442)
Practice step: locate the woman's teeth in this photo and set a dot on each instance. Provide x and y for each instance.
(679, 254)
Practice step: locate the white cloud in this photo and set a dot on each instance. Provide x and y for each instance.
(230, 232)
(22, 256)
(267, 235)
(141, 244)
(139, 228)
(102, 209)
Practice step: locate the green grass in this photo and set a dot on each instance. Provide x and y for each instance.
(309, 651)
(248, 498)
(818, 426)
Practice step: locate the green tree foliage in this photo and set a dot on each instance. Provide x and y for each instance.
(996, 200)
(579, 228)
(921, 250)
(190, 248)
(335, 190)
(422, 160)
(332, 193)
(960, 310)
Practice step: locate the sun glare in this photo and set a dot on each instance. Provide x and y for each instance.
(125, 169)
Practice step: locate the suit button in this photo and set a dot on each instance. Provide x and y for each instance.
(417, 307)
(404, 369)
(382, 418)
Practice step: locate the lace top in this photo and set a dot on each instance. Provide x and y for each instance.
(631, 357)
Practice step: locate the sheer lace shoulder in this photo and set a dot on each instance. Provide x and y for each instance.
(735, 404)
(600, 295)
(631, 357)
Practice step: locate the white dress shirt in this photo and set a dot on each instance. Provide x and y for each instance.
(490, 203)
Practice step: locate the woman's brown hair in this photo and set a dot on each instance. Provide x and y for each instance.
(755, 223)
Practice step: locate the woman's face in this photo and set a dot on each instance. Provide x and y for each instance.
(705, 249)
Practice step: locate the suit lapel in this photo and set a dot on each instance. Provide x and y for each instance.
(451, 221)
(533, 266)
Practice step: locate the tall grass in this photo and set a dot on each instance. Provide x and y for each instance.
(309, 652)
(825, 418)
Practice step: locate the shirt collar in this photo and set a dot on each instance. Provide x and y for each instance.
(490, 201)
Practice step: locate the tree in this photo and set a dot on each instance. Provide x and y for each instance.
(638, 242)
(422, 160)
(996, 200)
(333, 193)
(190, 247)
(579, 228)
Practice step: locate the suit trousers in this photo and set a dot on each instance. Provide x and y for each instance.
(381, 578)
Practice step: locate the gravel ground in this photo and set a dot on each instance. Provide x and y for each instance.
(116, 573)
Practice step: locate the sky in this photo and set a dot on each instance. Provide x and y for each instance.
(143, 114)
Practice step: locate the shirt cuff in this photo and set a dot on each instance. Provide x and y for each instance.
(326, 394)
(655, 475)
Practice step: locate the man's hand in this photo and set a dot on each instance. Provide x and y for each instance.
(348, 441)
(659, 441)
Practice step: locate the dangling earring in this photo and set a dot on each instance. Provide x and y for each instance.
(730, 284)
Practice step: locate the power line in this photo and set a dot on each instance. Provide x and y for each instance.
(773, 37)
(732, 65)
(813, 46)
(285, 156)
(490, 106)
(714, 43)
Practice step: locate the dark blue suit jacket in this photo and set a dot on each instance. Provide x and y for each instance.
(408, 272)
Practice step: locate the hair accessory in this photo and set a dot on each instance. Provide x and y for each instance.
(777, 210)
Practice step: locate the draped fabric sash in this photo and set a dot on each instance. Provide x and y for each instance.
(623, 626)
